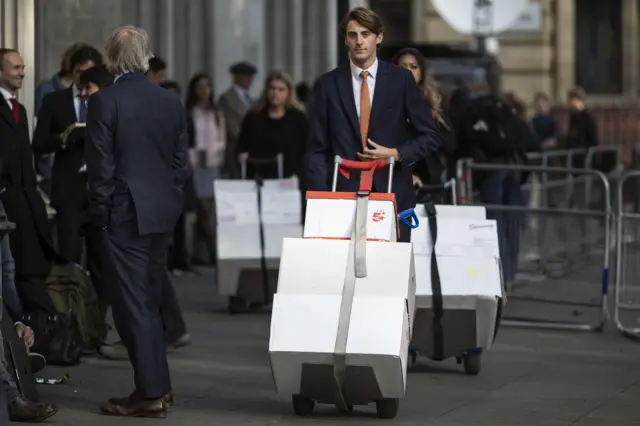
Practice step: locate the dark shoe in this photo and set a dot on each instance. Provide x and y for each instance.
(24, 411)
(37, 361)
(136, 407)
(180, 342)
(168, 399)
(115, 351)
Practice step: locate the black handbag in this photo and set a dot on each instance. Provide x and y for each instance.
(57, 337)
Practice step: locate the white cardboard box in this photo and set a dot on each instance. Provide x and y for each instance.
(445, 211)
(304, 329)
(315, 266)
(468, 259)
(306, 309)
(335, 217)
(238, 225)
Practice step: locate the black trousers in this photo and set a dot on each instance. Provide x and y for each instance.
(69, 224)
(138, 265)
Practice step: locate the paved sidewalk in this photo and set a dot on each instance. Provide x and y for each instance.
(536, 378)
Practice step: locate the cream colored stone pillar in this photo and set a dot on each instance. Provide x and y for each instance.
(630, 46)
(565, 49)
(18, 32)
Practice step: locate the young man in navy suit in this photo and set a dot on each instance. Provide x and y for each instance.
(369, 110)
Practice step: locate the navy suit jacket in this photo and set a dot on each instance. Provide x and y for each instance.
(335, 129)
(136, 150)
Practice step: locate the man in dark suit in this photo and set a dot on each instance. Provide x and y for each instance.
(59, 130)
(136, 152)
(31, 243)
(348, 120)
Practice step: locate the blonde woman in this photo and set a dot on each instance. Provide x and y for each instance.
(276, 125)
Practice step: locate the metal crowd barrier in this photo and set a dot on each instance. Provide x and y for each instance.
(555, 254)
(627, 281)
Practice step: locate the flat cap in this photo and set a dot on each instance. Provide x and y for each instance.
(242, 68)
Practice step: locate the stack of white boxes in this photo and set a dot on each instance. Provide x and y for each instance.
(238, 227)
(468, 258)
(307, 305)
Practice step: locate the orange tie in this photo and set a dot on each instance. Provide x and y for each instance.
(365, 108)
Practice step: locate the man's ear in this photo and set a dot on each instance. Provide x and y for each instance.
(379, 38)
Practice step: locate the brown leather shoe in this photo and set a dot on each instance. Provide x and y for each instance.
(136, 407)
(24, 411)
(168, 399)
(116, 351)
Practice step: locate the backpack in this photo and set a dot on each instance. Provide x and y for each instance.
(494, 127)
(71, 290)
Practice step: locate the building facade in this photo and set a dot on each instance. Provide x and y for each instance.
(557, 44)
(299, 36)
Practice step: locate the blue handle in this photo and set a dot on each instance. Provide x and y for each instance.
(409, 218)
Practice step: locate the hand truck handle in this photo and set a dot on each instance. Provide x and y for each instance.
(345, 166)
(278, 159)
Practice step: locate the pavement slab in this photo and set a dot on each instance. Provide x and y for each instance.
(529, 378)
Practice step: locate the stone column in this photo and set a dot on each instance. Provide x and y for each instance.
(18, 26)
(630, 46)
(417, 20)
(564, 48)
(239, 34)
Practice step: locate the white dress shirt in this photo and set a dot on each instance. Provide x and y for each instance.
(76, 101)
(356, 81)
(7, 96)
(244, 95)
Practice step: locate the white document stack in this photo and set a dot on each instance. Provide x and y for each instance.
(238, 225)
(468, 259)
(312, 287)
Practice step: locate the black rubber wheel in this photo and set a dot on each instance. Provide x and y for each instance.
(387, 408)
(414, 357)
(302, 406)
(237, 305)
(472, 363)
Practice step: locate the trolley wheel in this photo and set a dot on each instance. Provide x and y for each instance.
(472, 363)
(237, 305)
(302, 406)
(414, 357)
(387, 408)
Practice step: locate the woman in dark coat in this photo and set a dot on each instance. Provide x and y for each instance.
(432, 170)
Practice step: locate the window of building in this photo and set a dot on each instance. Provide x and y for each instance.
(598, 45)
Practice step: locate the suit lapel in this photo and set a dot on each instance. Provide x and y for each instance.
(70, 106)
(238, 104)
(379, 93)
(6, 113)
(345, 89)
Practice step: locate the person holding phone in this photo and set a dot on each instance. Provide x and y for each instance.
(60, 130)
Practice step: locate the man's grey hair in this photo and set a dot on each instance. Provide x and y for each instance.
(128, 49)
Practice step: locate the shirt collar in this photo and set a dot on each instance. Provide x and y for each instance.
(121, 74)
(356, 71)
(6, 94)
(75, 90)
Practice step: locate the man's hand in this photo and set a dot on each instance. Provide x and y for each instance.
(64, 136)
(26, 334)
(417, 182)
(378, 152)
